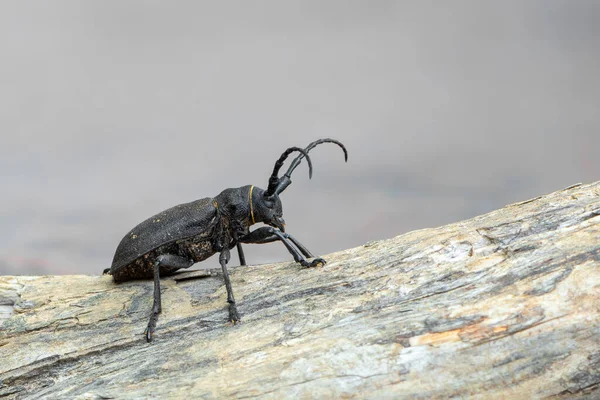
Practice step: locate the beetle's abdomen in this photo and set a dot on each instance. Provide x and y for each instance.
(196, 248)
(141, 268)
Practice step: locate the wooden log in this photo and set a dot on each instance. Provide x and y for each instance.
(504, 305)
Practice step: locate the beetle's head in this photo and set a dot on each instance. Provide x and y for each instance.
(267, 209)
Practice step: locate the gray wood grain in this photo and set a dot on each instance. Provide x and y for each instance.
(504, 305)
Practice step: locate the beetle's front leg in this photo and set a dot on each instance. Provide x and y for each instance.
(299, 245)
(234, 316)
(268, 234)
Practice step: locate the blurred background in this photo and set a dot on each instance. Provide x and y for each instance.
(111, 111)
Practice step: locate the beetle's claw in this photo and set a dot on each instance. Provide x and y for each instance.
(148, 334)
(317, 262)
(150, 328)
(234, 316)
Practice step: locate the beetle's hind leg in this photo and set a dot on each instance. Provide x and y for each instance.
(168, 261)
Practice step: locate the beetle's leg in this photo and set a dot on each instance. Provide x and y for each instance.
(268, 234)
(299, 245)
(165, 260)
(241, 254)
(234, 316)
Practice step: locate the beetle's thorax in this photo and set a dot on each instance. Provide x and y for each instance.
(234, 205)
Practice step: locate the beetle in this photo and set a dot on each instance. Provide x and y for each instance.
(192, 232)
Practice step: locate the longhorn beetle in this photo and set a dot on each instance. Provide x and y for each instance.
(189, 233)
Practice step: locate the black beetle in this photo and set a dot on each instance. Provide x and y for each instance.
(189, 233)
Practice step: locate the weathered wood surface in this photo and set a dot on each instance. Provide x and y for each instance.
(505, 305)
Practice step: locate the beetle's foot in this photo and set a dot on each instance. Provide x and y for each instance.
(317, 262)
(106, 272)
(234, 316)
(151, 327)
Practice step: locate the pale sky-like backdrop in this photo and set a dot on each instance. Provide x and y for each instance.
(111, 111)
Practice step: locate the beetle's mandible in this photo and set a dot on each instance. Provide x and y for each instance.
(189, 233)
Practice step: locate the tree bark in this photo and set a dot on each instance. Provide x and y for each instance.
(504, 305)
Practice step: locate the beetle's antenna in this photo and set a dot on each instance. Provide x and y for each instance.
(286, 180)
(274, 179)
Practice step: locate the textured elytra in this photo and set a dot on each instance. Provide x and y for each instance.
(178, 223)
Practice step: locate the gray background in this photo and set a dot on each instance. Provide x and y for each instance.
(111, 111)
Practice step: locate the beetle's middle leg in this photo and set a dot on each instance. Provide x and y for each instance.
(241, 254)
(234, 316)
(164, 260)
